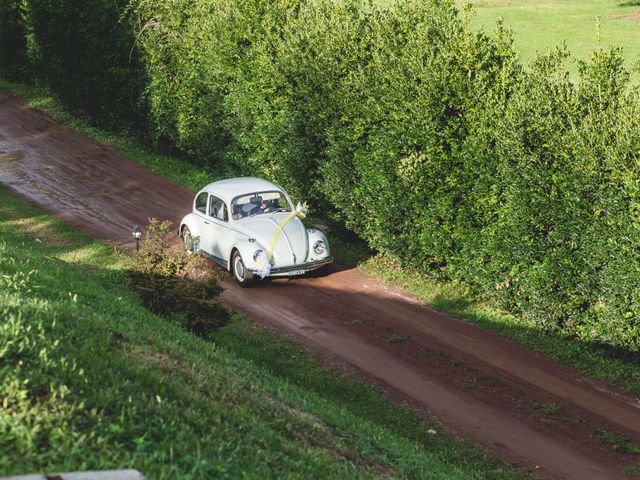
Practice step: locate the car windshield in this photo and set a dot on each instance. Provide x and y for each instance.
(258, 203)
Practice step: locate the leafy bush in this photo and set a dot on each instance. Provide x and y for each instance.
(248, 86)
(170, 281)
(403, 164)
(563, 220)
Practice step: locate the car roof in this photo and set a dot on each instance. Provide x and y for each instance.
(230, 188)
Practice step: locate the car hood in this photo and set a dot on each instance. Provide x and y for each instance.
(292, 244)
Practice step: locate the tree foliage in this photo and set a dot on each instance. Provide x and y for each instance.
(14, 58)
(84, 51)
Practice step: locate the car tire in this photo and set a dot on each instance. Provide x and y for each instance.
(187, 240)
(243, 276)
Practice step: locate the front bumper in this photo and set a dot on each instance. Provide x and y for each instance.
(294, 270)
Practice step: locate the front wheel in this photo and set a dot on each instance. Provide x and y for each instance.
(187, 240)
(243, 276)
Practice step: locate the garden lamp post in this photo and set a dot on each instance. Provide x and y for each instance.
(137, 233)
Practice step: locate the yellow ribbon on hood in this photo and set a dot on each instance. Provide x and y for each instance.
(300, 212)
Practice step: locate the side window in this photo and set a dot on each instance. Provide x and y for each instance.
(201, 202)
(217, 209)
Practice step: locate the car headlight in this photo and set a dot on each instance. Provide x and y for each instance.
(257, 254)
(319, 247)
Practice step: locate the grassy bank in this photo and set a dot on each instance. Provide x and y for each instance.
(89, 379)
(618, 367)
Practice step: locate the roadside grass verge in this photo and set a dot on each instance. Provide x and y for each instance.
(620, 368)
(90, 379)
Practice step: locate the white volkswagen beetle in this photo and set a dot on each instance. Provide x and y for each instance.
(251, 228)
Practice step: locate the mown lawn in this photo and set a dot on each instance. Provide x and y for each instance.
(544, 24)
(89, 379)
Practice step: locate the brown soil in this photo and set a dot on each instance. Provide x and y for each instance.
(634, 17)
(514, 402)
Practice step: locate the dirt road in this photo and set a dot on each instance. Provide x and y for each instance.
(514, 402)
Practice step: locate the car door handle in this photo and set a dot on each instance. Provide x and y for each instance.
(206, 223)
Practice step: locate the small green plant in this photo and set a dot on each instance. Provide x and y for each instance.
(620, 443)
(171, 282)
(488, 381)
(394, 338)
(549, 409)
(633, 470)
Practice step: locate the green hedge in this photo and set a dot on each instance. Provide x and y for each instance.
(564, 247)
(14, 58)
(84, 51)
(428, 139)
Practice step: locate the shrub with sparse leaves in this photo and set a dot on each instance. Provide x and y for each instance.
(172, 282)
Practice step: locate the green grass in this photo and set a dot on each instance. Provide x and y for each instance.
(395, 338)
(633, 470)
(584, 26)
(539, 25)
(90, 379)
(619, 443)
(550, 409)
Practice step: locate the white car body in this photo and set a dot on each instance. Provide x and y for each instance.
(216, 228)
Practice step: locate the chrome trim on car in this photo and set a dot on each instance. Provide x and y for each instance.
(303, 267)
(218, 260)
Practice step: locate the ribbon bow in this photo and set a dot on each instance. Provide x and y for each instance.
(263, 261)
(300, 212)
